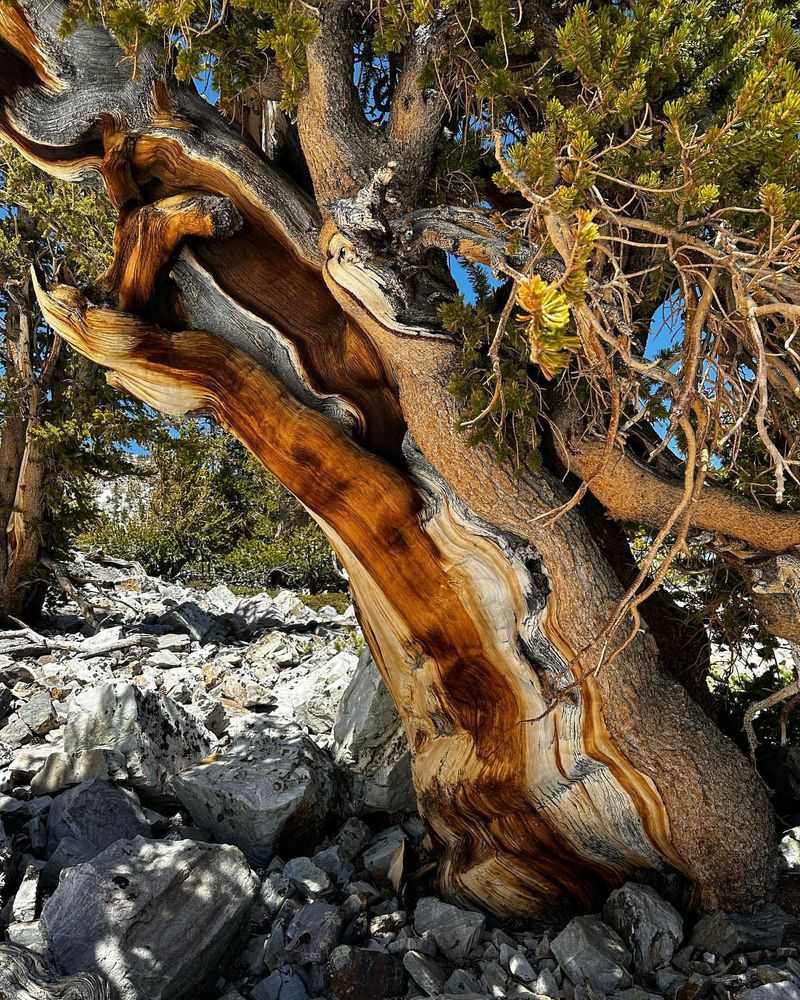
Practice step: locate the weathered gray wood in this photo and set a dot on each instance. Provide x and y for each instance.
(26, 976)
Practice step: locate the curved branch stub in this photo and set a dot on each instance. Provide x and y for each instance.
(147, 237)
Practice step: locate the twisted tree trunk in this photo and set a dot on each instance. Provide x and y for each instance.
(304, 335)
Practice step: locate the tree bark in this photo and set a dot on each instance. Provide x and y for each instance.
(543, 781)
(22, 463)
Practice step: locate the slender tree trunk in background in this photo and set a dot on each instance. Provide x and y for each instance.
(12, 450)
(22, 465)
(21, 590)
(542, 781)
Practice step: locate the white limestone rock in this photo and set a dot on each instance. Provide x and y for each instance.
(370, 743)
(271, 786)
(156, 737)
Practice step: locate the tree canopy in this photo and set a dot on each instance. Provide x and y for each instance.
(638, 163)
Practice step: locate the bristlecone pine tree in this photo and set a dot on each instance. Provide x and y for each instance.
(622, 168)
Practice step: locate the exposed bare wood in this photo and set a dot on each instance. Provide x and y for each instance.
(153, 232)
(26, 976)
(541, 781)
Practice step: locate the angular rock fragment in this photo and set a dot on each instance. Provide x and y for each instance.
(268, 788)
(96, 813)
(164, 659)
(28, 934)
(353, 837)
(371, 745)
(313, 933)
(333, 862)
(15, 734)
(462, 983)
(724, 933)
(157, 737)
(592, 953)
(26, 901)
(61, 770)
(255, 614)
(426, 973)
(316, 701)
(494, 978)
(456, 931)
(86, 820)
(222, 597)
(38, 714)
(650, 926)
(546, 983)
(156, 919)
(282, 984)
(382, 849)
(189, 617)
(311, 881)
(519, 967)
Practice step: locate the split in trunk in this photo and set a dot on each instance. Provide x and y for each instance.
(543, 780)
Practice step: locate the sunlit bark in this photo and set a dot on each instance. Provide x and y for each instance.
(296, 326)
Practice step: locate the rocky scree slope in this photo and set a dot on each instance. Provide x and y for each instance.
(205, 796)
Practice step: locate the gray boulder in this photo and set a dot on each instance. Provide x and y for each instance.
(455, 931)
(650, 926)
(156, 919)
(90, 817)
(190, 618)
(592, 953)
(269, 787)
(96, 813)
(156, 736)
(255, 614)
(724, 933)
(313, 933)
(318, 699)
(370, 743)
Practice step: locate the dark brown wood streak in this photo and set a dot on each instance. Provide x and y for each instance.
(229, 295)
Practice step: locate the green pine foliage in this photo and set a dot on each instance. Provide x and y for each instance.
(202, 507)
(86, 428)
